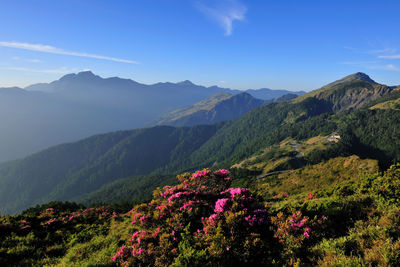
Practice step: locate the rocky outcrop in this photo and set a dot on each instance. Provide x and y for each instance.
(353, 95)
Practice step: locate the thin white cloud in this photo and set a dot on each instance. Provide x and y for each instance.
(31, 60)
(372, 65)
(55, 50)
(225, 12)
(62, 70)
(386, 50)
(384, 67)
(359, 62)
(390, 57)
(349, 48)
(382, 51)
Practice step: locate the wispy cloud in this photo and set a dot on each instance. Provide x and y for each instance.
(386, 50)
(31, 60)
(63, 70)
(350, 48)
(383, 51)
(375, 65)
(225, 12)
(384, 67)
(359, 62)
(390, 57)
(55, 50)
(379, 56)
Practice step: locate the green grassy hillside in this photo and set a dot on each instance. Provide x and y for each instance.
(341, 213)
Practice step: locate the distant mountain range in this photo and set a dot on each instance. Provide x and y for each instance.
(83, 104)
(85, 170)
(217, 108)
(86, 80)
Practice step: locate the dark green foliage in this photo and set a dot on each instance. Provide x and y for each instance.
(73, 170)
(372, 134)
(32, 178)
(40, 235)
(242, 177)
(255, 130)
(57, 205)
(132, 190)
(387, 186)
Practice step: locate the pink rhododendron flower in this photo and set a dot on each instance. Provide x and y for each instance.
(202, 173)
(221, 172)
(221, 204)
(236, 191)
(310, 196)
(213, 219)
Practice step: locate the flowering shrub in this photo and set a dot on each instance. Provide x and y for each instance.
(281, 196)
(205, 222)
(387, 186)
(224, 225)
(295, 230)
(43, 234)
(309, 196)
(53, 218)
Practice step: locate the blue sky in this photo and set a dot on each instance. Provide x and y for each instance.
(295, 45)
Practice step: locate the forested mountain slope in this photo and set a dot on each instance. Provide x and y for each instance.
(72, 171)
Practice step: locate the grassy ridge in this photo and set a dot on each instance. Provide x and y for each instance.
(348, 221)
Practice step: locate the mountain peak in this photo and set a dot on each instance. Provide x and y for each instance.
(359, 76)
(86, 73)
(80, 76)
(186, 82)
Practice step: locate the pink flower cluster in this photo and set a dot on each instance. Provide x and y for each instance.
(26, 224)
(243, 199)
(221, 205)
(203, 173)
(221, 172)
(296, 226)
(168, 191)
(139, 217)
(189, 205)
(51, 221)
(178, 195)
(244, 192)
(139, 240)
(257, 217)
(201, 195)
(310, 196)
(67, 217)
(122, 253)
